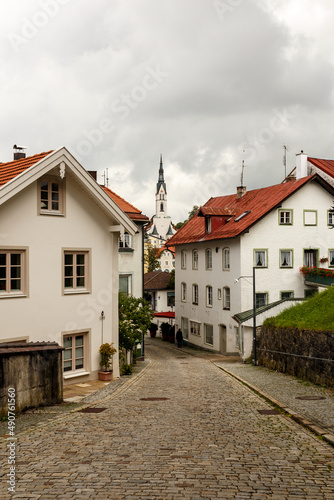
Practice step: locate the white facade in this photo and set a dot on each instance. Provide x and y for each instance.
(46, 309)
(212, 325)
(167, 260)
(130, 261)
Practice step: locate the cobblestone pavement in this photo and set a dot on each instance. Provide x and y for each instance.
(203, 439)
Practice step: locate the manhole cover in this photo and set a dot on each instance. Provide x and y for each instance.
(154, 399)
(268, 412)
(310, 398)
(92, 410)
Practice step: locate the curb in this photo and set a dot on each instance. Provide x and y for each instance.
(311, 426)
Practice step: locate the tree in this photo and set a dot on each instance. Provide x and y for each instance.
(171, 281)
(151, 258)
(190, 214)
(135, 316)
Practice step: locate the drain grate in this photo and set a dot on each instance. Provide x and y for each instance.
(310, 398)
(268, 412)
(92, 410)
(154, 399)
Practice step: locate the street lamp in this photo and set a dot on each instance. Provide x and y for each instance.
(254, 313)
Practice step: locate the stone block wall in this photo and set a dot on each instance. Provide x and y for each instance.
(306, 354)
(34, 370)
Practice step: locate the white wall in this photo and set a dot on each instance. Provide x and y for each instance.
(130, 263)
(45, 314)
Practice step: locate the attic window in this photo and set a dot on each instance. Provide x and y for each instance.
(241, 216)
(208, 224)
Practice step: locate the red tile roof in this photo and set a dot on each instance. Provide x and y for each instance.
(156, 280)
(13, 168)
(129, 209)
(257, 203)
(165, 247)
(326, 166)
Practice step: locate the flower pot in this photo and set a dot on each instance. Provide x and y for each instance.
(165, 337)
(105, 376)
(153, 333)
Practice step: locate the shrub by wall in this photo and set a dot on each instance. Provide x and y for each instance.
(306, 354)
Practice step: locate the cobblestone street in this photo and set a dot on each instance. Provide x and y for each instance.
(181, 429)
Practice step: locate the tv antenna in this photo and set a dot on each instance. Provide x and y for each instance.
(242, 169)
(284, 158)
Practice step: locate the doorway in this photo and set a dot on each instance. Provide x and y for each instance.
(222, 339)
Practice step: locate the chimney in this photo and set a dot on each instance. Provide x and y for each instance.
(301, 165)
(93, 173)
(241, 191)
(18, 152)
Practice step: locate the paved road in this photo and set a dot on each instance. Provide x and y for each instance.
(206, 440)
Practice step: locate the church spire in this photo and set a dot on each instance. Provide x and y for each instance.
(161, 179)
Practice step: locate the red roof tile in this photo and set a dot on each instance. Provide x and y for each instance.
(129, 209)
(165, 247)
(13, 168)
(326, 166)
(156, 280)
(247, 210)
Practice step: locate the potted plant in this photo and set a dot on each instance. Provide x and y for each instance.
(165, 331)
(171, 334)
(107, 351)
(323, 260)
(153, 329)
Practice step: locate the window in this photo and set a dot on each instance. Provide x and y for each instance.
(75, 351)
(260, 258)
(125, 282)
(285, 258)
(219, 293)
(183, 259)
(285, 217)
(76, 271)
(208, 334)
(51, 196)
(195, 328)
(226, 259)
(310, 217)
(209, 296)
(226, 298)
(287, 295)
(195, 294)
(330, 218)
(12, 272)
(208, 259)
(331, 258)
(170, 299)
(309, 292)
(161, 207)
(184, 327)
(126, 241)
(261, 299)
(183, 292)
(208, 224)
(310, 257)
(195, 259)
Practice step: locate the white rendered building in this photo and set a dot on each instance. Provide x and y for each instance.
(59, 234)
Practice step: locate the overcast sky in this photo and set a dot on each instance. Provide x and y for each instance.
(207, 83)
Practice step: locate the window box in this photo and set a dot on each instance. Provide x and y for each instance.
(318, 275)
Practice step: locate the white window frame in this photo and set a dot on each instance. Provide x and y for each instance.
(126, 241)
(226, 259)
(195, 259)
(226, 298)
(7, 272)
(49, 210)
(308, 219)
(282, 255)
(195, 328)
(75, 276)
(257, 253)
(208, 224)
(75, 372)
(209, 296)
(183, 292)
(183, 259)
(285, 217)
(208, 259)
(195, 294)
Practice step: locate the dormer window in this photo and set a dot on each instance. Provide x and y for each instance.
(208, 224)
(51, 196)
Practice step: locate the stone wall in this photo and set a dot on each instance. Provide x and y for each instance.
(305, 354)
(34, 370)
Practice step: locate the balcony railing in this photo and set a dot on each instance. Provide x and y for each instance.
(318, 276)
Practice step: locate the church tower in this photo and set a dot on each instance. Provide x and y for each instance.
(161, 193)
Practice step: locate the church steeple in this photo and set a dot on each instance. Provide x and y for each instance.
(161, 180)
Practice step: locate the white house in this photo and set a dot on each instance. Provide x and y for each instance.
(276, 230)
(166, 258)
(159, 292)
(59, 234)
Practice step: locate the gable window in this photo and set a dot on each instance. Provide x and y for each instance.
(51, 196)
(226, 298)
(183, 292)
(261, 299)
(287, 295)
(310, 217)
(208, 334)
(12, 272)
(208, 224)
(331, 258)
(195, 259)
(285, 217)
(125, 242)
(226, 259)
(75, 352)
(208, 259)
(76, 272)
(260, 258)
(286, 258)
(183, 259)
(209, 296)
(195, 328)
(195, 294)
